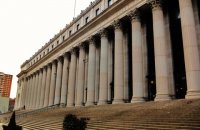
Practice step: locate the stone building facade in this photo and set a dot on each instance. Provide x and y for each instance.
(118, 51)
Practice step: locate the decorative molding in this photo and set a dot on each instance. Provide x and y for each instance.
(103, 33)
(117, 24)
(73, 50)
(82, 45)
(155, 4)
(134, 15)
(91, 40)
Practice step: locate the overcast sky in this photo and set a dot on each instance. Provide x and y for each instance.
(26, 25)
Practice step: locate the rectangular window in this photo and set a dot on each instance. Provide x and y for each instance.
(52, 46)
(109, 3)
(97, 11)
(63, 38)
(86, 20)
(57, 42)
(77, 27)
(70, 32)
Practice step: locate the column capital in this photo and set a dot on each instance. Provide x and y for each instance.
(91, 40)
(45, 66)
(73, 50)
(117, 24)
(134, 15)
(49, 64)
(82, 45)
(36, 73)
(66, 54)
(155, 4)
(59, 58)
(41, 69)
(103, 32)
(54, 61)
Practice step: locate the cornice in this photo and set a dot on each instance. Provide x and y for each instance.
(62, 31)
(84, 29)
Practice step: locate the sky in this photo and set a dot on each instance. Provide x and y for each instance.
(26, 25)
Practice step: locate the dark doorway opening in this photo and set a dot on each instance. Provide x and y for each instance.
(177, 49)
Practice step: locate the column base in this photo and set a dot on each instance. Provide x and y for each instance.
(137, 99)
(79, 105)
(89, 104)
(102, 102)
(118, 101)
(62, 105)
(70, 105)
(193, 95)
(162, 97)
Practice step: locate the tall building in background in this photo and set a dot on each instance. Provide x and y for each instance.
(5, 84)
(5, 87)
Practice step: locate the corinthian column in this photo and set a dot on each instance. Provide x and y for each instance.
(58, 82)
(42, 90)
(29, 91)
(91, 73)
(65, 74)
(118, 64)
(161, 52)
(47, 86)
(103, 87)
(72, 79)
(52, 84)
(23, 95)
(137, 58)
(38, 89)
(32, 91)
(81, 76)
(191, 52)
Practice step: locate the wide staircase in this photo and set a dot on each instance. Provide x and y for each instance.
(165, 115)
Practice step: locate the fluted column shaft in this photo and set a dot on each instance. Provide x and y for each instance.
(47, 86)
(81, 77)
(33, 90)
(118, 64)
(65, 74)
(103, 87)
(72, 80)
(137, 59)
(23, 92)
(38, 89)
(161, 52)
(58, 82)
(53, 84)
(97, 74)
(191, 52)
(42, 90)
(91, 73)
(29, 92)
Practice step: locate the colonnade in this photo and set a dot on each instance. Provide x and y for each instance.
(85, 74)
